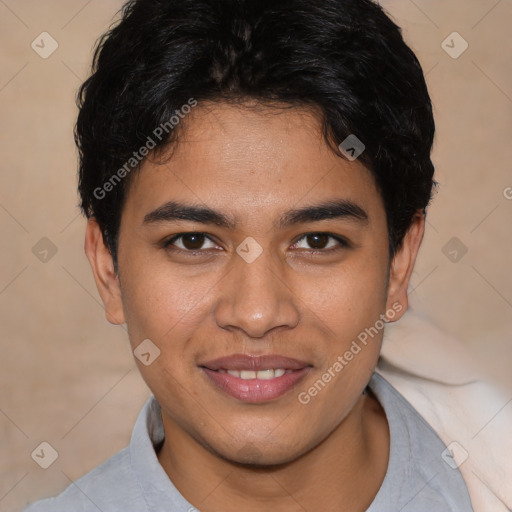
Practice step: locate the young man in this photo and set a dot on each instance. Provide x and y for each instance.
(255, 175)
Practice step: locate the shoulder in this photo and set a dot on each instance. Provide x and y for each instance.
(417, 477)
(472, 417)
(110, 487)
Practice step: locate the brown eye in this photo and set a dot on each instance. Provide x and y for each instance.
(318, 240)
(193, 241)
(323, 242)
(189, 242)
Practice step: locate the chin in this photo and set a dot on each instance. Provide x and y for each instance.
(260, 455)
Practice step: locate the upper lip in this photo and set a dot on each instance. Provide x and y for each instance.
(254, 363)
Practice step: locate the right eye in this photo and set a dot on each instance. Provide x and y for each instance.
(188, 242)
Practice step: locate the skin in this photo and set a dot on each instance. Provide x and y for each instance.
(299, 298)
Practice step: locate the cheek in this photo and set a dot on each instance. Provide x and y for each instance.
(349, 308)
(351, 318)
(350, 296)
(158, 302)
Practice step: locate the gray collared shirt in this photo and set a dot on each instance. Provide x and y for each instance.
(417, 478)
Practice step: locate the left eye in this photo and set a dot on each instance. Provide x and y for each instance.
(320, 241)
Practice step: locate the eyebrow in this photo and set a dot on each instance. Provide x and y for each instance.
(337, 209)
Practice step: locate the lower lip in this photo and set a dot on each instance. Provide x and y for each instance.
(256, 390)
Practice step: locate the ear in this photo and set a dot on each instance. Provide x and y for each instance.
(403, 265)
(106, 278)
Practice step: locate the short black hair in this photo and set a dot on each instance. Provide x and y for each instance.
(345, 58)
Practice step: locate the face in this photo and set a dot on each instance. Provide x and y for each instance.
(255, 260)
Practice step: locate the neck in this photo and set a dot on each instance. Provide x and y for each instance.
(342, 472)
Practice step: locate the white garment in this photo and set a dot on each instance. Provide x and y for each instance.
(437, 376)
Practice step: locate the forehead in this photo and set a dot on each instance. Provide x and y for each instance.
(245, 158)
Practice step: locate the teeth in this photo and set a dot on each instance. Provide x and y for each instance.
(265, 374)
(261, 374)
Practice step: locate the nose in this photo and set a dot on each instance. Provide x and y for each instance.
(256, 298)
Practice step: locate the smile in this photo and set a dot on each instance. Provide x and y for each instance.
(267, 374)
(255, 379)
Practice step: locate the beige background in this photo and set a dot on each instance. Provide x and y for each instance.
(67, 376)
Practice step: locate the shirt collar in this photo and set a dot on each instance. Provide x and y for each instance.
(157, 489)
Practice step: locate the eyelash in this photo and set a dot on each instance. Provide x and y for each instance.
(343, 243)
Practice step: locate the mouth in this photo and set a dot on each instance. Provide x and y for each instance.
(255, 379)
